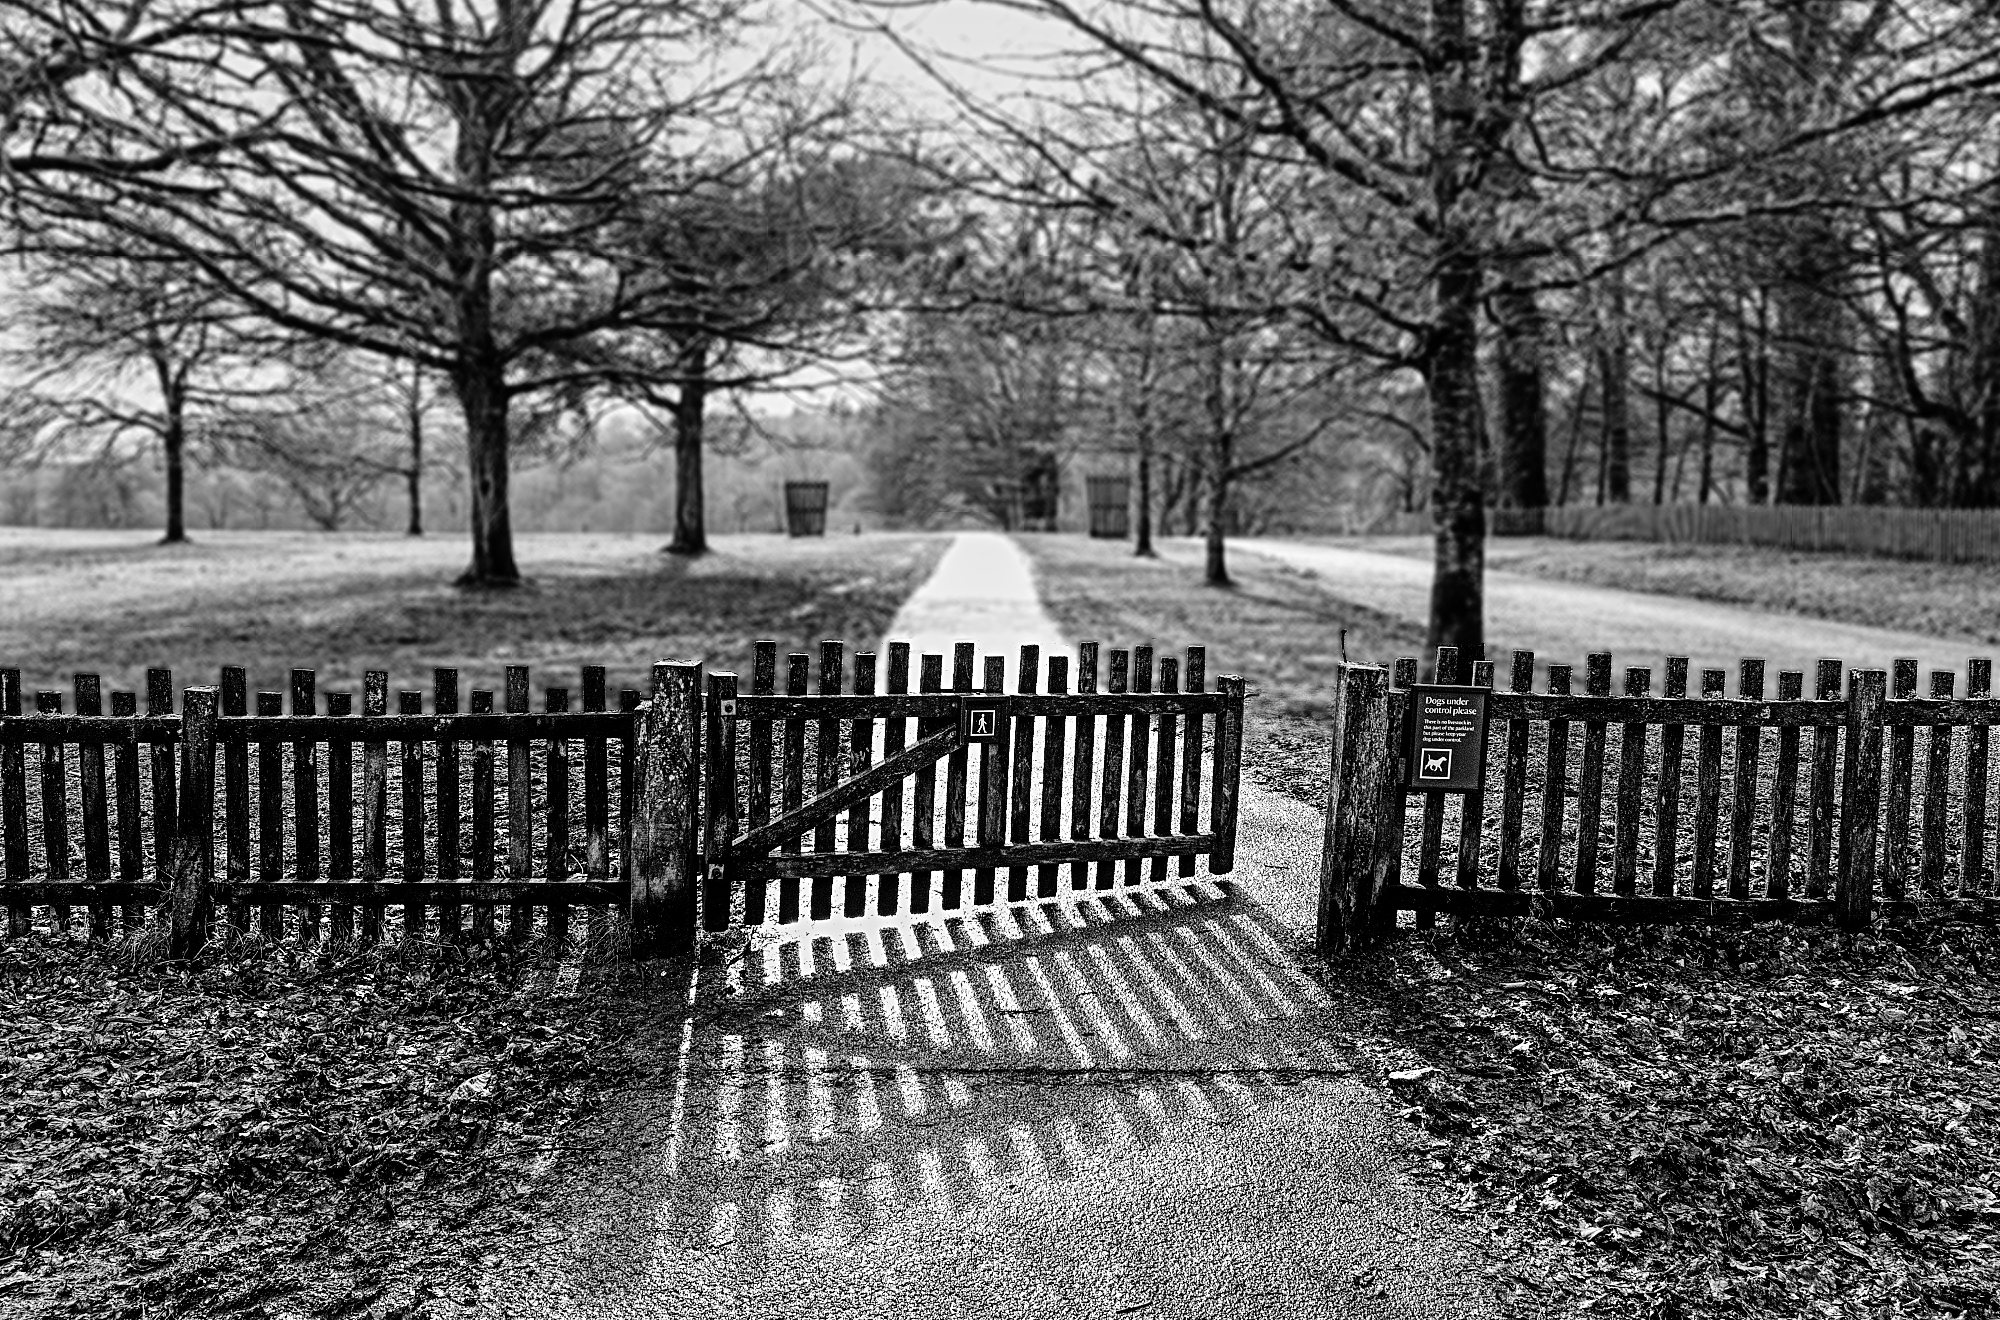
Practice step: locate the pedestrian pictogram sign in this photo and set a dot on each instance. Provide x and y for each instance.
(981, 719)
(1447, 746)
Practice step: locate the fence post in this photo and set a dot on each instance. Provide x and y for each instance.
(1228, 770)
(1351, 870)
(666, 833)
(191, 878)
(1860, 799)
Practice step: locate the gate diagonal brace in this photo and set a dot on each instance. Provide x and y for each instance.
(842, 796)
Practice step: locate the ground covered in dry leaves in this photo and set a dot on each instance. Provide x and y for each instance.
(279, 1131)
(1674, 1125)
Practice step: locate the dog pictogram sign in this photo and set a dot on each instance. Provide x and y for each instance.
(981, 719)
(1447, 739)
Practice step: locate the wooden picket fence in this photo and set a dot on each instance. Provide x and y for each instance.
(1828, 808)
(316, 813)
(1132, 773)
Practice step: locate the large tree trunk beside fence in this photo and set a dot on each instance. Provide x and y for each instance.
(482, 393)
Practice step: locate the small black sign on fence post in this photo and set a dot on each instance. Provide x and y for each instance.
(980, 719)
(1447, 748)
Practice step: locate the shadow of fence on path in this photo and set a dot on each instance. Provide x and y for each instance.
(832, 1090)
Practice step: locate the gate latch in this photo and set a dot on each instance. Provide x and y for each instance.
(728, 706)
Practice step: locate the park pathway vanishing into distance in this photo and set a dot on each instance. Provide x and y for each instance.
(1564, 621)
(1135, 1106)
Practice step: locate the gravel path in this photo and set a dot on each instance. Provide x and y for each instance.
(1135, 1106)
(1565, 621)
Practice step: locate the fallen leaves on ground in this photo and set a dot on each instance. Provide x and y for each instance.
(1679, 1125)
(276, 1132)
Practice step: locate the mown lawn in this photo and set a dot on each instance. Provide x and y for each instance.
(1938, 600)
(285, 1131)
(1666, 1124)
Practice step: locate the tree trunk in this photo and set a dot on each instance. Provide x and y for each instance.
(415, 474)
(176, 445)
(690, 416)
(1809, 331)
(1142, 528)
(482, 395)
(1754, 355)
(1615, 368)
(1524, 424)
(1458, 502)
(1215, 569)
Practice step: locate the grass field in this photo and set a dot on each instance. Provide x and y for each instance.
(1941, 600)
(291, 1132)
(116, 603)
(1662, 1125)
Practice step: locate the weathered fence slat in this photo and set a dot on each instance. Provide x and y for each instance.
(412, 812)
(1784, 795)
(270, 817)
(1354, 861)
(191, 887)
(1111, 776)
(1897, 850)
(1430, 833)
(860, 754)
(125, 786)
(923, 797)
(1163, 773)
(484, 842)
(826, 767)
(763, 682)
(1666, 828)
(1555, 784)
(1139, 760)
(1631, 785)
(234, 704)
(55, 809)
(375, 800)
(94, 808)
(160, 701)
(1972, 872)
(339, 814)
(1590, 777)
(520, 803)
(1083, 765)
(305, 799)
(1402, 676)
(895, 734)
(1937, 768)
(993, 760)
(1193, 679)
(663, 900)
(1228, 769)
(955, 787)
(628, 781)
(444, 701)
(1820, 802)
(1020, 795)
(1514, 776)
(1744, 773)
(1055, 736)
(1861, 799)
(1707, 789)
(555, 857)
(720, 730)
(14, 805)
(798, 672)
(1472, 806)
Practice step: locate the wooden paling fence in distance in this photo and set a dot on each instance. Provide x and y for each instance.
(1839, 806)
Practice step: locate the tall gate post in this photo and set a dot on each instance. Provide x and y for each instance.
(1353, 869)
(1860, 800)
(666, 832)
(191, 893)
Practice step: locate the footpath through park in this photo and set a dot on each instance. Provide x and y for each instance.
(1566, 620)
(1131, 1106)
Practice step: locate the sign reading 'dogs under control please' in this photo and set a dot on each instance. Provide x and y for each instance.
(1447, 752)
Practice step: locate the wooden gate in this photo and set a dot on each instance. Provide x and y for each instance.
(911, 790)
